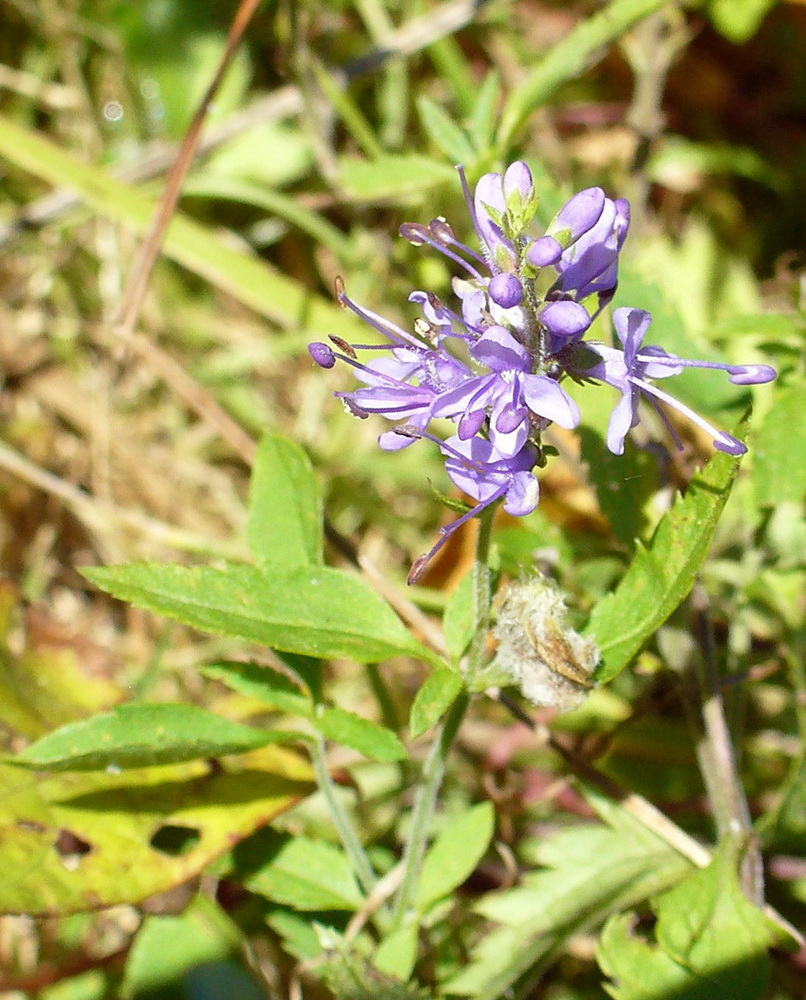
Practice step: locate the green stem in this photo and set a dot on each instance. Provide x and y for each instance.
(430, 782)
(481, 594)
(434, 768)
(717, 758)
(341, 820)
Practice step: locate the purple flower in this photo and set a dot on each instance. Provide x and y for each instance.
(631, 370)
(590, 264)
(492, 362)
(481, 472)
(508, 391)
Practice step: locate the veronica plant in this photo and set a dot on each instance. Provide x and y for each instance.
(494, 360)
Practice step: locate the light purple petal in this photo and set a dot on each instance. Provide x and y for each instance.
(454, 401)
(579, 214)
(471, 423)
(631, 326)
(621, 420)
(489, 192)
(522, 495)
(507, 442)
(499, 350)
(547, 398)
(509, 417)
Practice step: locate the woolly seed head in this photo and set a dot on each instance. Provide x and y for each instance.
(550, 662)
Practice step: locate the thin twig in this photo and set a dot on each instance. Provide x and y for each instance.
(97, 515)
(285, 102)
(717, 758)
(651, 49)
(149, 249)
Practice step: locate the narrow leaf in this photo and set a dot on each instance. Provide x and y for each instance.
(393, 178)
(482, 120)
(444, 132)
(318, 612)
(244, 275)
(662, 574)
(569, 59)
(285, 515)
(140, 734)
(359, 734)
(454, 855)
(266, 684)
(435, 697)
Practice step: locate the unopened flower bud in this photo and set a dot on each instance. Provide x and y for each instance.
(505, 290)
(578, 215)
(544, 251)
(566, 321)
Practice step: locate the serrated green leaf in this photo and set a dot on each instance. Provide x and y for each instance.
(455, 854)
(641, 969)
(779, 453)
(392, 178)
(436, 695)
(444, 132)
(569, 59)
(360, 734)
(255, 680)
(661, 574)
(459, 619)
(317, 612)
(711, 941)
(141, 734)
(307, 875)
(590, 871)
(285, 510)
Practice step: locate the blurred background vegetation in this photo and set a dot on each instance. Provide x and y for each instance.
(336, 122)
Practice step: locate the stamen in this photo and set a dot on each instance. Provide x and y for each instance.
(722, 440)
(471, 207)
(737, 374)
(443, 233)
(377, 322)
(347, 348)
(445, 533)
(417, 235)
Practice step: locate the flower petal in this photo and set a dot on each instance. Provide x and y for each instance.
(547, 398)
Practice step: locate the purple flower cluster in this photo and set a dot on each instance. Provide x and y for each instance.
(494, 362)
